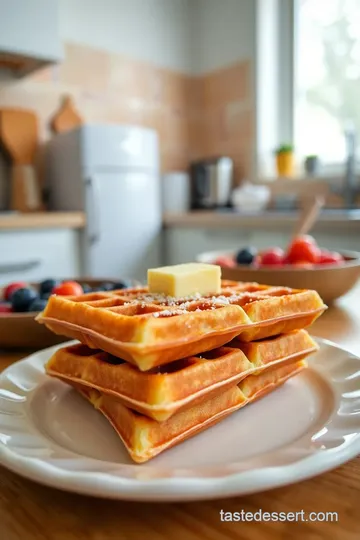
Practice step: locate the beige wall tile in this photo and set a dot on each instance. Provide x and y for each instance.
(198, 143)
(195, 95)
(225, 85)
(154, 117)
(131, 78)
(174, 92)
(176, 132)
(237, 120)
(155, 94)
(174, 162)
(86, 68)
(195, 117)
(126, 112)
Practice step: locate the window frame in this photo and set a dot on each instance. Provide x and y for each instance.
(287, 46)
(289, 21)
(275, 80)
(281, 34)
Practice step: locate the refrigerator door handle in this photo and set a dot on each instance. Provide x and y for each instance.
(93, 213)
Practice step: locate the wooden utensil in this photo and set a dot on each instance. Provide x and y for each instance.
(66, 118)
(19, 135)
(309, 215)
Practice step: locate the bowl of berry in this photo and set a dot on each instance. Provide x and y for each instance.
(301, 265)
(20, 303)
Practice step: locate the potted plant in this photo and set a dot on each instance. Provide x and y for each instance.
(311, 165)
(285, 160)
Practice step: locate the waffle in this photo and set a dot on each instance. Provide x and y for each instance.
(165, 390)
(145, 438)
(153, 330)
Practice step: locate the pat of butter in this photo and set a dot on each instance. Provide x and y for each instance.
(185, 279)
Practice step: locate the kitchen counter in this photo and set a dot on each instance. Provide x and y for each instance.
(25, 511)
(269, 219)
(41, 220)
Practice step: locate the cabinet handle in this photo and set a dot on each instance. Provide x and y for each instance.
(93, 207)
(18, 267)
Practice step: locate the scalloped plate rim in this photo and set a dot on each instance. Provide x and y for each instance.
(105, 485)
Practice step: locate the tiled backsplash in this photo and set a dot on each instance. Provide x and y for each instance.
(195, 116)
(221, 121)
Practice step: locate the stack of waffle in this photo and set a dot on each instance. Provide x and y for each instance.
(162, 369)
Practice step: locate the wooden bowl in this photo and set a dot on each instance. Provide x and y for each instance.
(21, 331)
(330, 281)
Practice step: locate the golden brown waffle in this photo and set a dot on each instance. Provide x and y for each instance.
(152, 330)
(165, 390)
(145, 438)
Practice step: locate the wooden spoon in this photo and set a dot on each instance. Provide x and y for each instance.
(309, 215)
(19, 134)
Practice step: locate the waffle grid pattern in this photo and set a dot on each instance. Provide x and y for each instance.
(149, 330)
(138, 301)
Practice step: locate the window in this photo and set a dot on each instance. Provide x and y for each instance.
(327, 77)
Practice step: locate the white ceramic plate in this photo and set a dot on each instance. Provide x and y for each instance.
(310, 425)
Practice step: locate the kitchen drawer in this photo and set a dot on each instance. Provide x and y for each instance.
(36, 255)
(183, 244)
(339, 241)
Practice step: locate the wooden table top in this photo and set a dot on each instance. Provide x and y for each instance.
(32, 512)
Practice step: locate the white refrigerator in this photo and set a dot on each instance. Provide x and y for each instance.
(110, 172)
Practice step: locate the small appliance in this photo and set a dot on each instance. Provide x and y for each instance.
(211, 183)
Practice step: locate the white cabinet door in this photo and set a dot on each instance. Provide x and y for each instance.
(338, 241)
(20, 24)
(39, 254)
(184, 244)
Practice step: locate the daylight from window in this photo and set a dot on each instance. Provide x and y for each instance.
(327, 85)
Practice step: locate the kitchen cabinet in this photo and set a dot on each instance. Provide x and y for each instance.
(29, 36)
(33, 255)
(183, 244)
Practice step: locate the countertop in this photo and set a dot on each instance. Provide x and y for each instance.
(32, 512)
(41, 220)
(338, 218)
(341, 219)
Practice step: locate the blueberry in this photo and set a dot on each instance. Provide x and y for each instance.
(22, 298)
(45, 296)
(246, 255)
(47, 286)
(106, 286)
(86, 288)
(121, 285)
(96, 289)
(37, 305)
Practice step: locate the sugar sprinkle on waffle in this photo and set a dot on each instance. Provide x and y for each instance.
(153, 329)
